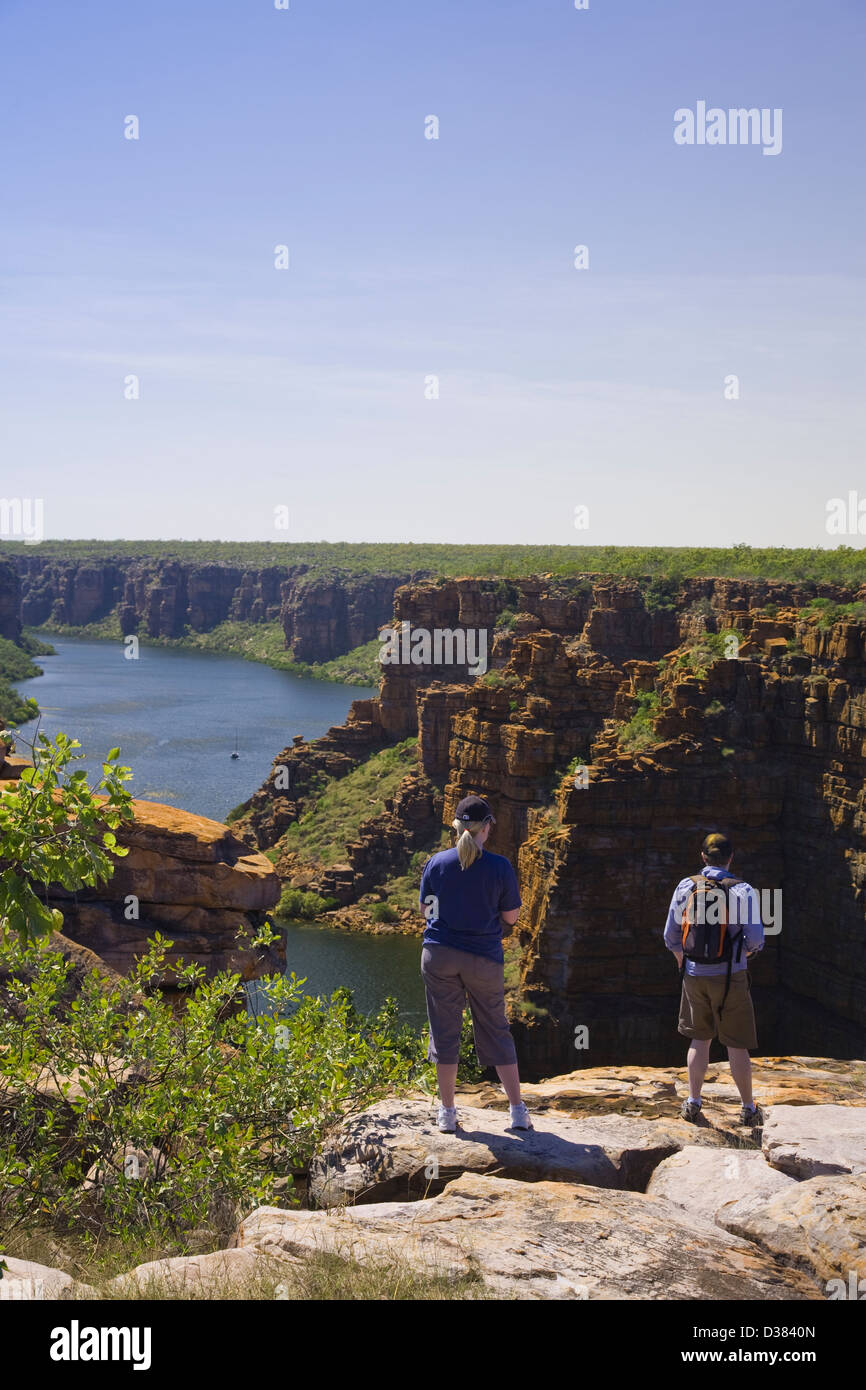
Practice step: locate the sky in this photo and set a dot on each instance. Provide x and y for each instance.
(431, 365)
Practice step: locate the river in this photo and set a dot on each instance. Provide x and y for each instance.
(174, 715)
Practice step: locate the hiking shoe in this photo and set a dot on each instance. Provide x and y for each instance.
(519, 1117)
(751, 1117)
(691, 1112)
(447, 1120)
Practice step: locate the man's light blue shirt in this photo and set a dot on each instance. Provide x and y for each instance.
(748, 911)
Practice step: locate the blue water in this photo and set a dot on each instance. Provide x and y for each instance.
(372, 966)
(173, 713)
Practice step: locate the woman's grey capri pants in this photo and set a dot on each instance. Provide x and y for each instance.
(450, 978)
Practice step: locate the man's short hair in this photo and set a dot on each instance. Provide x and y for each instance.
(717, 848)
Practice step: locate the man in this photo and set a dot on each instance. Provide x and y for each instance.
(714, 1003)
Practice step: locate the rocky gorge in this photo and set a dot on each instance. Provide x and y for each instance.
(321, 615)
(611, 732)
(617, 721)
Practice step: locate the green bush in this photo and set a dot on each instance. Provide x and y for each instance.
(296, 903)
(226, 1103)
(384, 912)
(638, 734)
(499, 680)
(830, 613)
(703, 654)
(661, 594)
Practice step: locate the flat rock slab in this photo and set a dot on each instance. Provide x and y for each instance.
(818, 1225)
(395, 1150)
(656, 1092)
(27, 1281)
(539, 1240)
(807, 1141)
(225, 1273)
(707, 1182)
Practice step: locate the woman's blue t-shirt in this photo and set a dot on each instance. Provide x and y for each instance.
(468, 902)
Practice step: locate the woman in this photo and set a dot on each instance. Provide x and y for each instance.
(470, 899)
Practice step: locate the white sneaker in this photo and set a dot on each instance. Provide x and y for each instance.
(519, 1117)
(447, 1120)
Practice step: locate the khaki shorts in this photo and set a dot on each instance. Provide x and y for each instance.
(699, 1010)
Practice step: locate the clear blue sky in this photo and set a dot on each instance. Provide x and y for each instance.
(412, 257)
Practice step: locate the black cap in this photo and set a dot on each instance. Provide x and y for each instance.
(473, 808)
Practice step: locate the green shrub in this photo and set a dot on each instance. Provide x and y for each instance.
(703, 654)
(384, 912)
(661, 594)
(296, 903)
(229, 1102)
(638, 734)
(499, 680)
(830, 613)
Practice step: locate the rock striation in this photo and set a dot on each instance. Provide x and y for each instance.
(10, 602)
(322, 616)
(603, 818)
(188, 878)
(191, 880)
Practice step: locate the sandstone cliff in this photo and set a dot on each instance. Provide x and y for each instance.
(767, 745)
(10, 602)
(322, 616)
(186, 877)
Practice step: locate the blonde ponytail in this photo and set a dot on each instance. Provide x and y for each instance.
(467, 850)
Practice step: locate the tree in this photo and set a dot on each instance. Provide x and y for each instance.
(55, 829)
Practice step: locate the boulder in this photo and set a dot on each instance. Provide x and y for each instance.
(710, 1182)
(807, 1141)
(539, 1240)
(127, 1164)
(225, 1273)
(395, 1150)
(25, 1280)
(193, 881)
(818, 1225)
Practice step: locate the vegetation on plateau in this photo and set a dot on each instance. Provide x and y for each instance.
(843, 564)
